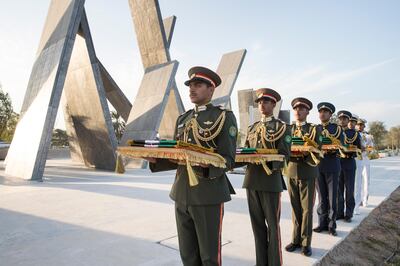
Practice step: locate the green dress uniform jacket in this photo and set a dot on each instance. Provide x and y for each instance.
(304, 167)
(199, 209)
(264, 191)
(256, 178)
(214, 186)
(302, 172)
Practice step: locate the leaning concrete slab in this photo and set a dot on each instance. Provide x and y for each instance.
(169, 25)
(27, 155)
(150, 32)
(150, 102)
(87, 117)
(154, 37)
(172, 111)
(114, 94)
(228, 69)
(245, 98)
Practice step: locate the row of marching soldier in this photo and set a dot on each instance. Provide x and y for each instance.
(199, 209)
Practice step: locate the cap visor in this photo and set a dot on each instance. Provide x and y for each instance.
(187, 82)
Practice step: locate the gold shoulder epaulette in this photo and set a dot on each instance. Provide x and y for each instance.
(186, 112)
(223, 108)
(279, 120)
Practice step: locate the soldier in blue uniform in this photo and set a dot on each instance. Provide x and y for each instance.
(348, 169)
(329, 170)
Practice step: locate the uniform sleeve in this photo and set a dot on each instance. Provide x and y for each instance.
(318, 136)
(246, 145)
(285, 143)
(165, 164)
(357, 142)
(226, 143)
(341, 135)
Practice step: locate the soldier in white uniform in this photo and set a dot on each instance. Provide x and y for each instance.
(363, 167)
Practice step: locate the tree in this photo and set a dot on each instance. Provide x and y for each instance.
(393, 138)
(118, 125)
(59, 138)
(8, 118)
(378, 130)
(8, 133)
(6, 110)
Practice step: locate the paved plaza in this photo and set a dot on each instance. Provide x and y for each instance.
(78, 216)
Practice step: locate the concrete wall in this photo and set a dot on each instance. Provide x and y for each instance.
(228, 69)
(27, 155)
(87, 117)
(154, 36)
(150, 103)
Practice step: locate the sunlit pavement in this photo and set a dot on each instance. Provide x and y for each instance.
(79, 216)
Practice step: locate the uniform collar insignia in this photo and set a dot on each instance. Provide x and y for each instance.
(266, 118)
(200, 108)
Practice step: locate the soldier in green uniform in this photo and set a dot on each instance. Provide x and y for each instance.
(199, 209)
(302, 172)
(264, 189)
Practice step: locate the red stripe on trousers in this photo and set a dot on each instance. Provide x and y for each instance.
(219, 234)
(279, 229)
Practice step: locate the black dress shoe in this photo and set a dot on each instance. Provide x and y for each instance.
(332, 231)
(306, 251)
(347, 219)
(292, 247)
(319, 229)
(340, 217)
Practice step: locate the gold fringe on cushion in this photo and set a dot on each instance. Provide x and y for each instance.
(267, 151)
(359, 154)
(266, 168)
(195, 158)
(184, 156)
(258, 158)
(310, 149)
(193, 180)
(342, 154)
(310, 142)
(315, 159)
(193, 147)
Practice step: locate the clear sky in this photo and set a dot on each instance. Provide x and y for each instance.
(345, 52)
